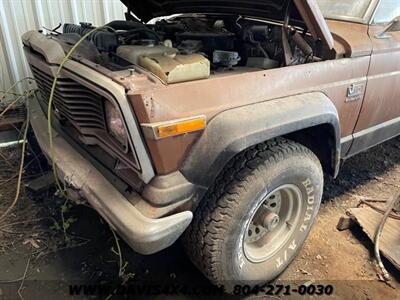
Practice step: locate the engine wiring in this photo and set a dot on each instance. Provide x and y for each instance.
(130, 33)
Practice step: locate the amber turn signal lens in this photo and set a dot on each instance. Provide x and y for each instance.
(172, 128)
(181, 127)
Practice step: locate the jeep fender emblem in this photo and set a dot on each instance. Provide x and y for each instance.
(355, 92)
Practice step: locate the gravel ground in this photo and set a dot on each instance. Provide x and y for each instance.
(33, 245)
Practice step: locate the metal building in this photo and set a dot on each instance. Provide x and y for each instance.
(19, 16)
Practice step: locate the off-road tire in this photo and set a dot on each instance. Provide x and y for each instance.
(214, 240)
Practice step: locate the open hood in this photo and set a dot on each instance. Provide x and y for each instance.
(305, 13)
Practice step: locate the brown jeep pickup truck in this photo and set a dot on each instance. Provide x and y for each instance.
(216, 120)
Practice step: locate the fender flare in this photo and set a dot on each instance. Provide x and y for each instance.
(237, 129)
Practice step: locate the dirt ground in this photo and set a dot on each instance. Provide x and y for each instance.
(37, 257)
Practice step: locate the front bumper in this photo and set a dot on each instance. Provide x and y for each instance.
(143, 234)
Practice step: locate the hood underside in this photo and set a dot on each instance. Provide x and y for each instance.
(148, 9)
(304, 13)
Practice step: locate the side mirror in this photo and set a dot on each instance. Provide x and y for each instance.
(393, 26)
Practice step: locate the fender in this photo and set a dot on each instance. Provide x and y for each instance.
(237, 129)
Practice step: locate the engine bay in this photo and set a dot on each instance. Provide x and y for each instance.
(192, 47)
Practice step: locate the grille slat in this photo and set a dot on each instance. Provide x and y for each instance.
(81, 116)
(76, 104)
(76, 109)
(66, 93)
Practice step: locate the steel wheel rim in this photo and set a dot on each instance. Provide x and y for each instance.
(272, 223)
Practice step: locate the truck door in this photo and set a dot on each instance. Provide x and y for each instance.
(379, 118)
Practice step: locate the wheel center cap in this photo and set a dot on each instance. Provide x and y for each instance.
(271, 221)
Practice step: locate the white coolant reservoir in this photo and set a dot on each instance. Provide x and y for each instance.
(132, 52)
(176, 68)
(164, 61)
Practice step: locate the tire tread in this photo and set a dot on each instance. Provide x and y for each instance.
(204, 238)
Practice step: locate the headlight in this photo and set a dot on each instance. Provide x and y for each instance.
(115, 123)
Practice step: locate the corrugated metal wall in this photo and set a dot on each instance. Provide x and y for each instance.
(19, 16)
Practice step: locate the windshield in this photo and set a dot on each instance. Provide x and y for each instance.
(344, 9)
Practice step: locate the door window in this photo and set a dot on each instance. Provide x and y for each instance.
(387, 11)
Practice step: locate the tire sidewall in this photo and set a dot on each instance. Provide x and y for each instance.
(303, 172)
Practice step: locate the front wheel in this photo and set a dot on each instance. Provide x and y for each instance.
(254, 220)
